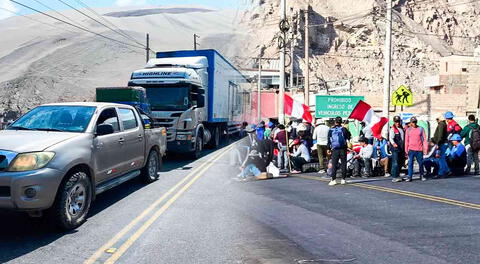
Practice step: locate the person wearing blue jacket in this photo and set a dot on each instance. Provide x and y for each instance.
(457, 155)
(380, 148)
(261, 130)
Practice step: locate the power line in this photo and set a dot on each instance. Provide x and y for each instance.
(58, 13)
(79, 11)
(107, 21)
(36, 20)
(73, 25)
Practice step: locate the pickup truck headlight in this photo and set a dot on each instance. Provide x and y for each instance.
(31, 161)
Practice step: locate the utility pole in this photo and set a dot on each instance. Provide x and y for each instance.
(292, 47)
(195, 44)
(292, 60)
(306, 88)
(281, 101)
(147, 48)
(259, 89)
(388, 60)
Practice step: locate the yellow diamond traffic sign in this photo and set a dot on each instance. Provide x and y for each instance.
(403, 96)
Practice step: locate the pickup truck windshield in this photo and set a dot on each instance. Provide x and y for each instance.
(55, 118)
(174, 98)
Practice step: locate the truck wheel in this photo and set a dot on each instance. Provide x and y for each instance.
(197, 153)
(73, 201)
(150, 171)
(215, 141)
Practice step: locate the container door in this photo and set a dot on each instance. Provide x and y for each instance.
(232, 101)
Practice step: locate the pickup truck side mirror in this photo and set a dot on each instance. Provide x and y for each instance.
(104, 129)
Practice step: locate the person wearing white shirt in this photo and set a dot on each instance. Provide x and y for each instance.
(300, 156)
(320, 134)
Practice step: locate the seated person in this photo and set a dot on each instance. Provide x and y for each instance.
(249, 169)
(380, 153)
(456, 155)
(431, 160)
(363, 161)
(300, 155)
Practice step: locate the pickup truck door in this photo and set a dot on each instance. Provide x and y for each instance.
(133, 149)
(107, 149)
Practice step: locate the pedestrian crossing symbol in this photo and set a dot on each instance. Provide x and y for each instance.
(403, 96)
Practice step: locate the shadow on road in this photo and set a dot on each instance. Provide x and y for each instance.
(20, 234)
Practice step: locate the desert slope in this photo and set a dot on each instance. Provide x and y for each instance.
(41, 63)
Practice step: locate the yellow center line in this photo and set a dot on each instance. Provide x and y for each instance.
(125, 246)
(405, 193)
(149, 209)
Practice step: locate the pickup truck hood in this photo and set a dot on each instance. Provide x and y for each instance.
(30, 141)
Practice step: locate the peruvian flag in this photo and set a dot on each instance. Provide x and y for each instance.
(364, 112)
(297, 109)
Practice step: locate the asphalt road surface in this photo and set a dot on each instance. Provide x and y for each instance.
(197, 213)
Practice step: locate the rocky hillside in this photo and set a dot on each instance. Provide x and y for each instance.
(347, 38)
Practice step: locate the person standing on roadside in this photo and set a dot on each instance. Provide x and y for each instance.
(416, 146)
(452, 126)
(261, 130)
(380, 153)
(471, 134)
(280, 137)
(338, 137)
(320, 134)
(397, 140)
(441, 139)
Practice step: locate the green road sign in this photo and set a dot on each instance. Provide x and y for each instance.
(403, 96)
(328, 106)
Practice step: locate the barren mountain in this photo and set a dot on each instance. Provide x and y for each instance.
(43, 60)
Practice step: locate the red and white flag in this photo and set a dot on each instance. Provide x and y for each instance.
(364, 112)
(297, 109)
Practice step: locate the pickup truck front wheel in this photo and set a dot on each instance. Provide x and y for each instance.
(73, 201)
(150, 171)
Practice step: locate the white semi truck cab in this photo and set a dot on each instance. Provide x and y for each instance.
(196, 95)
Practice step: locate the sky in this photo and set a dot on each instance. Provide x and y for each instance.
(56, 4)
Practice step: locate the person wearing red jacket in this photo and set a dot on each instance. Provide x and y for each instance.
(415, 147)
(452, 126)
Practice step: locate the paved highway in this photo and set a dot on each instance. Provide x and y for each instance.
(197, 213)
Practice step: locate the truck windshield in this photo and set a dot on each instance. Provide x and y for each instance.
(169, 98)
(55, 118)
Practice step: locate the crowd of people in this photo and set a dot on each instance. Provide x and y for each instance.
(453, 150)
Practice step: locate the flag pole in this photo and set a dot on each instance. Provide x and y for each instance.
(288, 149)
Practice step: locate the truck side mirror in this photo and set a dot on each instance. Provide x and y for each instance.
(104, 129)
(200, 100)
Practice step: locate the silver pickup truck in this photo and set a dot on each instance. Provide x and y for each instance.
(57, 157)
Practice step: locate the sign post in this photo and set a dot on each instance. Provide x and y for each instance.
(329, 106)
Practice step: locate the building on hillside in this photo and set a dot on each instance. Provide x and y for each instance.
(270, 74)
(458, 75)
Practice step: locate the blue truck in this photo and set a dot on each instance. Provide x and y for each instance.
(198, 95)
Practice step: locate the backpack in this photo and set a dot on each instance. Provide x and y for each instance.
(475, 138)
(338, 138)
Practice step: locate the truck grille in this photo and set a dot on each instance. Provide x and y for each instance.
(4, 191)
(168, 121)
